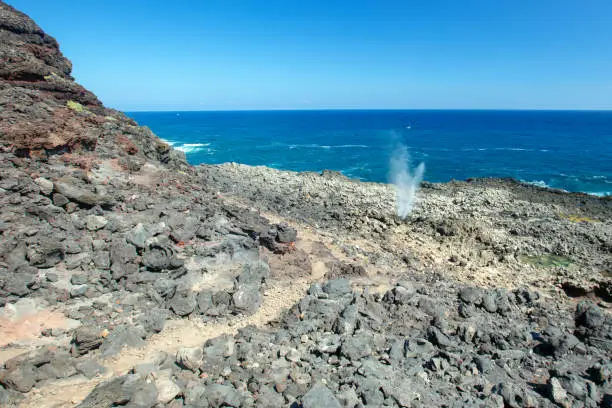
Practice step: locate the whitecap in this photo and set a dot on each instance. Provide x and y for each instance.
(538, 183)
(189, 148)
(600, 193)
(327, 147)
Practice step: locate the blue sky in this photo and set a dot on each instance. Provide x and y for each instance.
(294, 54)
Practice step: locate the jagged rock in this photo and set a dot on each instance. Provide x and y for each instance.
(285, 233)
(78, 290)
(66, 187)
(589, 315)
(138, 236)
(471, 295)
(19, 284)
(254, 273)
(320, 396)
(107, 394)
(158, 257)
(102, 260)
(337, 287)
(46, 254)
(165, 287)
(78, 279)
(556, 391)
(357, 346)
(46, 186)
(89, 368)
(205, 301)
(120, 337)
(190, 358)
(144, 397)
(86, 338)
(59, 200)
(183, 303)
(9, 398)
(403, 293)
(246, 299)
(268, 398)
(61, 366)
(123, 257)
(167, 389)
(154, 320)
(219, 395)
(96, 222)
(20, 379)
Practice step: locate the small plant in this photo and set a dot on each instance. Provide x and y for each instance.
(162, 147)
(51, 76)
(75, 106)
(577, 218)
(546, 260)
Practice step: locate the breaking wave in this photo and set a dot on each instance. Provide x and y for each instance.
(188, 148)
(537, 183)
(503, 149)
(317, 146)
(600, 193)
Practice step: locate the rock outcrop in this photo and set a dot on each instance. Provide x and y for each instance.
(45, 112)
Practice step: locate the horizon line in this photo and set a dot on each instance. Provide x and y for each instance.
(366, 109)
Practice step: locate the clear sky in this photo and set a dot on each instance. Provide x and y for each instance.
(312, 54)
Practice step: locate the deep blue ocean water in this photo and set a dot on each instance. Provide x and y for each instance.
(560, 149)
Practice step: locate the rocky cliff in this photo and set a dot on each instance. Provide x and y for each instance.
(45, 112)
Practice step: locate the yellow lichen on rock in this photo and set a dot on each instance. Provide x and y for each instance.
(75, 106)
(577, 218)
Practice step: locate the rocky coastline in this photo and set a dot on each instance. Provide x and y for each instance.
(130, 278)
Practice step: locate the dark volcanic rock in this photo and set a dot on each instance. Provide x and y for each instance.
(20, 378)
(319, 396)
(107, 394)
(183, 303)
(85, 339)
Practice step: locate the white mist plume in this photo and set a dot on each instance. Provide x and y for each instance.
(406, 181)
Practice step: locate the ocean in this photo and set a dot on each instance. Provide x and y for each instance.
(569, 150)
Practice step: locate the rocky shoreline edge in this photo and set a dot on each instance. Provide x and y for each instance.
(129, 278)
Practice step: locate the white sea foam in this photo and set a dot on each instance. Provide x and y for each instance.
(189, 148)
(539, 183)
(600, 193)
(503, 149)
(317, 146)
(542, 183)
